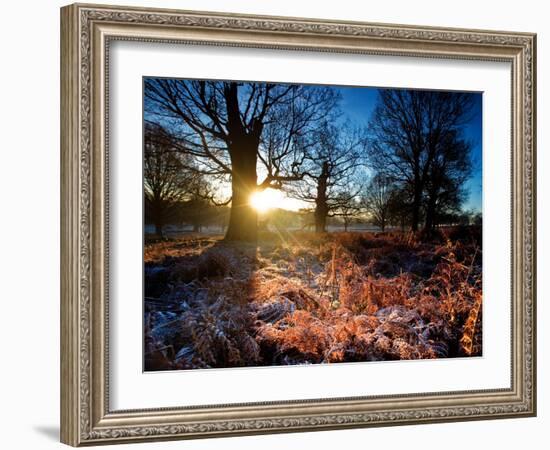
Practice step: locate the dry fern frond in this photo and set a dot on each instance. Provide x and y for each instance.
(304, 298)
(470, 342)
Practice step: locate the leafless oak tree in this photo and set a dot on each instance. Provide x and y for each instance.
(166, 181)
(332, 165)
(445, 184)
(410, 130)
(239, 131)
(377, 200)
(348, 206)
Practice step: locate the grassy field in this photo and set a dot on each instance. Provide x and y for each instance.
(302, 298)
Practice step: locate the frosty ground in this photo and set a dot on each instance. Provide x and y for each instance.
(305, 298)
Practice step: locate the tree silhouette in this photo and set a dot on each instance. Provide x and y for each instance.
(378, 199)
(410, 131)
(230, 128)
(399, 213)
(332, 165)
(166, 181)
(347, 207)
(445, 188)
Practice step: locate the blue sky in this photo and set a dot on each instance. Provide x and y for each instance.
(358, 104)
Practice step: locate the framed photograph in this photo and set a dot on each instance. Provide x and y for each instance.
(276, 224)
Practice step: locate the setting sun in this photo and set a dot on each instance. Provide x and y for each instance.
(268, 199)
(263, 201)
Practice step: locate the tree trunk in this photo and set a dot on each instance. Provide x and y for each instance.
(158, 212)
(429, 227)
(243, 218)
(321, 207)
(320, 221)
(417, 199)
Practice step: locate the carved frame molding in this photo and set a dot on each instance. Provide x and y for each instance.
(86, 33)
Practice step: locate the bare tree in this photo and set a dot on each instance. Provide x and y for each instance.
(230, 128)
(398, 208)
(165, 179)
(409, 128)
(332, 165)
(348, 206)
(377, 200)
(445, 189)
(200, 207)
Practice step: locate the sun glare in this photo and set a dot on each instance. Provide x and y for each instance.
(263, 201)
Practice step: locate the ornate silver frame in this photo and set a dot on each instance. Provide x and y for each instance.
(86, 31)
